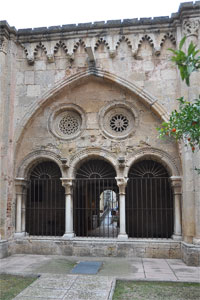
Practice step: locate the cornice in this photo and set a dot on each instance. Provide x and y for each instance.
(188, 9)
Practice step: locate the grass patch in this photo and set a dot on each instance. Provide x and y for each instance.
(146, 290)
(11, 285)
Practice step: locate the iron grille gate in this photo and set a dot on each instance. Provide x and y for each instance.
(45, 207)
(96, 207)
(149, 207)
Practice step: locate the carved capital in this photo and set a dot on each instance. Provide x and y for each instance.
(157, 51)
(191, 27)
(50, 58)
(67, 183)
(20, 185)
(30, 59)
(122, 183)
(176, 183)
(112, 53)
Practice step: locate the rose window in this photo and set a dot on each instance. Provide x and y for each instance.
(68, 125)
(119, 123)
(118, 120)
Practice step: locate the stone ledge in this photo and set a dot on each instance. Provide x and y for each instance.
(190, 254)
(92, 247)
(3, 248)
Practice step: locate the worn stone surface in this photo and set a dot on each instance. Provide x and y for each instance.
(41, 73)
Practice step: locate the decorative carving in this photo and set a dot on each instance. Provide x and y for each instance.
(3, 45)
(122, 183)
(146, 38)
(31, 56)
(119, 123)
(30, 59)
(67, 184)
(67, 121)
(33, 157)
(92, 152)
(191, 27)
(39, 46)
(123, 38)
(159, 155)
(169, 36)
(62, 45)
(69, 124)
(118, 120)
(50, 58)
(176, 183)
(20, 185)
(79, 43)
(99, 42)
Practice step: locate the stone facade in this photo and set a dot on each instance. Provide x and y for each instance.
(59, 88)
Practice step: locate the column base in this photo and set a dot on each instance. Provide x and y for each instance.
(68, 236)
(18, 235)
(122, 236)
(196, 241)
(177, 237)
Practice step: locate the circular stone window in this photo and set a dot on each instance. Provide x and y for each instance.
(118, 120)
(119, 123)
(66, 123)
(69, 124)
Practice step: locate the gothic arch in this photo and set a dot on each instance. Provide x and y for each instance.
(155, 154)
(144, 96)
(34, 158)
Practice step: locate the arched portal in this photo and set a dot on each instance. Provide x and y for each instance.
(96, 203)
(45, 205)
(149, 201)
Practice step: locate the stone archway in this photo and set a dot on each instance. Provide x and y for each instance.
(45, 202)
(149, 201)
(96, 200)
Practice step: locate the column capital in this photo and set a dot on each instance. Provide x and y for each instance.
(122, 183)
(176, 182)
(67, 184)
(20, 183)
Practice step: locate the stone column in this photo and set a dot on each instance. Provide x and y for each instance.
(196, 238)
(20, 186)
(69, 231)
(122, 182)
(177, 192)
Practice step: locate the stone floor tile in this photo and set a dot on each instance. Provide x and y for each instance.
(86, 295)
(43, 293)
(62, 284)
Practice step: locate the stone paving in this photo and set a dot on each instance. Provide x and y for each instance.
(57, 282)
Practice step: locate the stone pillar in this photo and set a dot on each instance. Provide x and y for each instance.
(196, 238)
(69, 230)
(20, 186)
(122, 182)
(177, 192)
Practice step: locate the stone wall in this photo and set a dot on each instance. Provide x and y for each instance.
(88, 69)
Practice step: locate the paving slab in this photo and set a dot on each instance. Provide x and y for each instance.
(57, 282)
(68, 287)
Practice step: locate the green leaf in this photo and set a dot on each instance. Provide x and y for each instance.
(182, 42)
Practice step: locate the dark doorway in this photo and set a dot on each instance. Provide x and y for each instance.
(149, 201)
(96, 201)
(45, 206)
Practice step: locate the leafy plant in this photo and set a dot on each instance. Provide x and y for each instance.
(186, 62)
(185, 123)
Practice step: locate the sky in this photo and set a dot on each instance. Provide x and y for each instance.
(45, 13)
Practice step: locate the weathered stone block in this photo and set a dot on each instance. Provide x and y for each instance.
(33, 90)
(29, 77)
